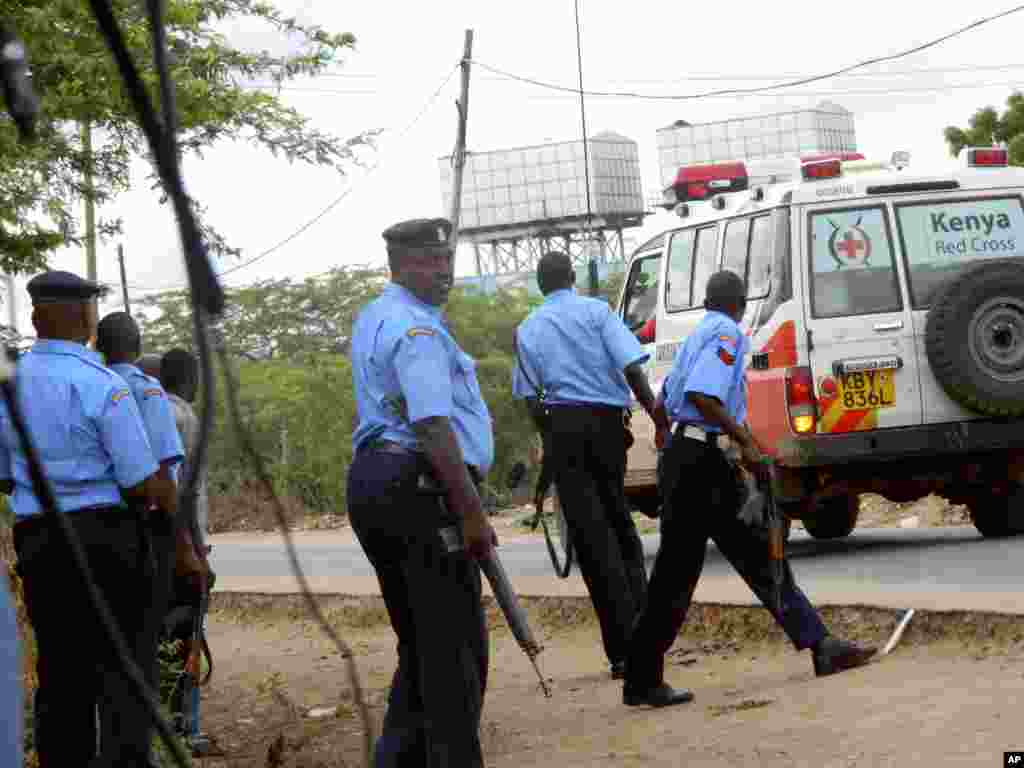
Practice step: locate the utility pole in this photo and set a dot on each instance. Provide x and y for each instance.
(124, 279)
(592, 264)
(90, 203)
(460, 142)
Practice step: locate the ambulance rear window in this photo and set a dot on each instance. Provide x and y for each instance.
(853, 271)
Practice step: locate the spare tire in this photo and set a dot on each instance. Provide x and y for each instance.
(974, 338)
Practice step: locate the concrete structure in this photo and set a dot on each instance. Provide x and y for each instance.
(519, 203)
(827, 127)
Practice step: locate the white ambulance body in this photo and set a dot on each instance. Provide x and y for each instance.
(886, 314)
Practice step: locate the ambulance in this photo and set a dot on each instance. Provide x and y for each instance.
(886, 315)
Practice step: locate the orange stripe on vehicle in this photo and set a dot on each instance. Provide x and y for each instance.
(849, 421)
(781, 347)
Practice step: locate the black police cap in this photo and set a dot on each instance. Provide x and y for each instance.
(419, 233)
(725, 287)
(57, 286)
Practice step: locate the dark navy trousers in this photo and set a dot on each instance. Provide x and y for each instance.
(433, 599)
(701, 502)
(588, 444)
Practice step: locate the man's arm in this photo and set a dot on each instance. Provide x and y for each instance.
(637, 380)
(712, 410)
(136, 470)
(422, 364)
(442, 450)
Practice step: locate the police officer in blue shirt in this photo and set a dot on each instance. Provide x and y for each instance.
(91, 441)
(705, 396)
(119, 341)
(580, 355)
(422, 422)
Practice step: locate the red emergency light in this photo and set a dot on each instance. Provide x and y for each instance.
(987, 157)
(702, 182)
(841, 156)
(822, 169)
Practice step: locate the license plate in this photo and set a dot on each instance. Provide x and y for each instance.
(868, 390)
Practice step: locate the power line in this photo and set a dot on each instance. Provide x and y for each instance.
(745, 91)
(861, 92)
(736, 77)
(835, 92)
(334, 203)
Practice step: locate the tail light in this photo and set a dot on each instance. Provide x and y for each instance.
(800, 400)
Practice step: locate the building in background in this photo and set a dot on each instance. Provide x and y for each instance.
(826, 128)
(517, 204)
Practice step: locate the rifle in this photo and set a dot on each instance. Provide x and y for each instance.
(190, 680)
(508, 602)
(562, 571)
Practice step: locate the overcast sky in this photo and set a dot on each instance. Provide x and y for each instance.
(405, 50)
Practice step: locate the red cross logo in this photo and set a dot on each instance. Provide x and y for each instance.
(850, 246)
(853, 248)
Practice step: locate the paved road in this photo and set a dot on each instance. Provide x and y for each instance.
(930, 568)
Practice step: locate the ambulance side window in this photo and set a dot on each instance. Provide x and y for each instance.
(680, 271)
(734, 256)
(759, 266)
(705, 262)
(641, 299)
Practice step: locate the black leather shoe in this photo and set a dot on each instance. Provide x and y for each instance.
(834, 655)
(660, 696)
(618, 670)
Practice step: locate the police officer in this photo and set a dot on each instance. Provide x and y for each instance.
(705, 396)
(119, 341)
(92, 443)
(422, 423)
(585, 360)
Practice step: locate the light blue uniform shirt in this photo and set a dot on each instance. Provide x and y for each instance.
(157, 413)
(576, 349)
(406, 367)
(712, 361)
(85, 425)
(11, 692)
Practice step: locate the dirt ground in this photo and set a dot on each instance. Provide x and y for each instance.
(251, 512)
(948, 695)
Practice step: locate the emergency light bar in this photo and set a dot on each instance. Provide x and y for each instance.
(842, 156)
(702, 182)
(987, 157)
(821, 169)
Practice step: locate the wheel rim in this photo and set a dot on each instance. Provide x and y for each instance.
(996, 339)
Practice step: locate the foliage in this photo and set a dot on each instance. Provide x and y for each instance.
(79, 84)
(291, 341)
(987, 126)
(273, 319)
(611, 288)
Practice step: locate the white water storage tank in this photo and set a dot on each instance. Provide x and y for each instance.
(529, 185)
(827, 127)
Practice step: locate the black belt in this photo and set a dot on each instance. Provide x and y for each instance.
(29, 524)
(697, 432)
(390, 446)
